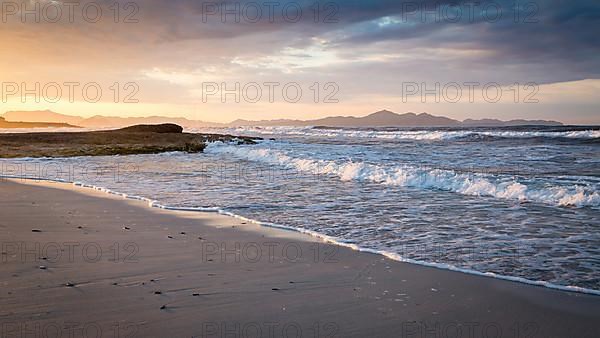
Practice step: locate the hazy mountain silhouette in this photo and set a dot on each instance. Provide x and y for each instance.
(10, 125)
(382, 118)
(42, 116)
(100, 121)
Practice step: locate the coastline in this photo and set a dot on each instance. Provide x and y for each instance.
(305, 232)
(132, 140)
(330, 289)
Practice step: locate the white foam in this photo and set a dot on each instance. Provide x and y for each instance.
(472, 184)
(330, 239)
(431, 135)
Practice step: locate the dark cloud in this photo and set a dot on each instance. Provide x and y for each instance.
(552, 32)
(534, 32)
(544, 41)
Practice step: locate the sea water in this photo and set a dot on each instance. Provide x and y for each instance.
(521, 203)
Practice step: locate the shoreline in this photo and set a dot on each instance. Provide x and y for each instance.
(175, 288)
(313, 234)
(132, 140)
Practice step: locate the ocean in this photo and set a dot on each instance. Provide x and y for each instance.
(520, 203)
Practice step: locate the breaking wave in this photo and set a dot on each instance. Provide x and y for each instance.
(473, 184)
(432, 135)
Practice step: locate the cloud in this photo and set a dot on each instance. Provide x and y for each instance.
(368, 47)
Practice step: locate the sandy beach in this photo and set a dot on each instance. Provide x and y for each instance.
(87, 264)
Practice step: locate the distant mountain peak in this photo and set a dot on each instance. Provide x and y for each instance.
(383, 112)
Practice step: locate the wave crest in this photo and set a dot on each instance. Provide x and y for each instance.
(473, 184)
(419, 135)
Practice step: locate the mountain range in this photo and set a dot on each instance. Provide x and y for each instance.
(382, 118)
(19, 125)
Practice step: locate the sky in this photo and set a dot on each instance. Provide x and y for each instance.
(225, 60)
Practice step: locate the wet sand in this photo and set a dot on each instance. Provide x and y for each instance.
(84, 263)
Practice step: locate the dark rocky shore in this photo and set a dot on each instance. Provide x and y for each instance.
(139, 139)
